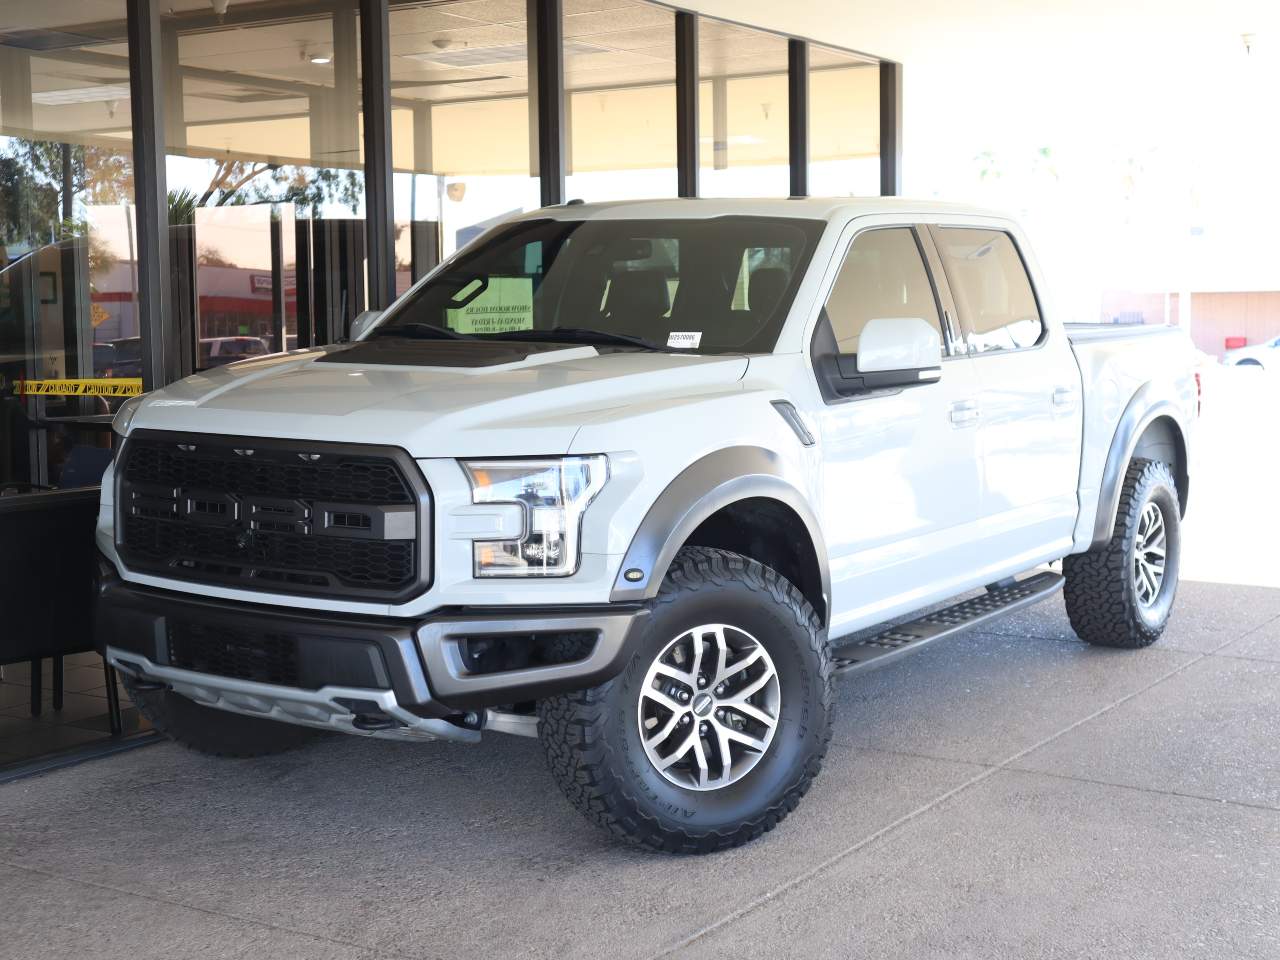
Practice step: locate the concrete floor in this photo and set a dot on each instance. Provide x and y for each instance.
(1007, 794)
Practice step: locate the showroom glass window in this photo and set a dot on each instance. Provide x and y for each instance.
(68, 275)
(265, 175)
(742, 112)
(459, 126)
(620, 102)
(844, 124)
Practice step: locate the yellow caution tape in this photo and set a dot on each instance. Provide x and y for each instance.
(119, 387)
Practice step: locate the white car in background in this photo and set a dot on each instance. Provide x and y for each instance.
(1265, 355)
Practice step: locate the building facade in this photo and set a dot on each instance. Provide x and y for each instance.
(185, 181)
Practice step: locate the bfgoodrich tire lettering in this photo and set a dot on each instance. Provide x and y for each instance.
(219, 733)
(1103, 603)
(593, 742)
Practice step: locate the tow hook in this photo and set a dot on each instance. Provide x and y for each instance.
(374, 721)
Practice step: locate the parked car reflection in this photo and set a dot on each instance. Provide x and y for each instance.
(216, 351)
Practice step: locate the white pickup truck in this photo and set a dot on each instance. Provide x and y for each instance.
(641, 480)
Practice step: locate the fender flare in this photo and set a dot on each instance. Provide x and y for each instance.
(707, 485)
(1140, 413)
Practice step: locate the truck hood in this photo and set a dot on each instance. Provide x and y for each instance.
(532, 400)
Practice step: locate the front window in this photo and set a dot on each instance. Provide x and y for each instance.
(720, 285)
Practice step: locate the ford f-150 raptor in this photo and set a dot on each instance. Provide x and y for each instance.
(641, 479)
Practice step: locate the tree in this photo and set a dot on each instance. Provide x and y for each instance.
(239, 182)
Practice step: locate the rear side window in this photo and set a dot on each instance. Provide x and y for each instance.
(883, 276)
(993, 294)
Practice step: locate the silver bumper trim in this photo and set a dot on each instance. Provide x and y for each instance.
(312, 708)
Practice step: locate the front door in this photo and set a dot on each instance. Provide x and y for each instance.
(901, 480)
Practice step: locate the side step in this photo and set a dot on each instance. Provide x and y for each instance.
(905, 638)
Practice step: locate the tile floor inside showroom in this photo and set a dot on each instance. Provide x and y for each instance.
(1011, 793)
(81, 721)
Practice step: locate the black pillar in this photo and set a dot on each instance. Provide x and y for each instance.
(161, 357)
(546, 95)
(686, 104)
(798, 115)
(890, 128)
(375, 60)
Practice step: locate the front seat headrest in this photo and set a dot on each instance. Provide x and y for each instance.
(765, 288)
(637, 296)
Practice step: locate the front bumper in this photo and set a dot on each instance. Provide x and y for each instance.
(372, 676)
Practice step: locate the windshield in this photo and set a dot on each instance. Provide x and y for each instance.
(720, 285)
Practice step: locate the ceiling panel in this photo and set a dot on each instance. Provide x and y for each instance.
(624, 18)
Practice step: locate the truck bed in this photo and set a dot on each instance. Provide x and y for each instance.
(1117, 362)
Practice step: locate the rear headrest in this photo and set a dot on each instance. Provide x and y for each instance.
(765, 289)
(639, 294)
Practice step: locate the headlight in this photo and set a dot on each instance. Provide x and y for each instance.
(554, 494)
(124, 416)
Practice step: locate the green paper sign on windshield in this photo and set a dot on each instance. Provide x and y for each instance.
(505, 305)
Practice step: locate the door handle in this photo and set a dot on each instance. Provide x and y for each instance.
(965, 412)
(1064, 397)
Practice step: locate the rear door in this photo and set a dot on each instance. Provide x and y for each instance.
(1029, 396)
(901, 483)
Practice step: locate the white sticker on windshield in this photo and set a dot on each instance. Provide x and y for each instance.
(687, 340)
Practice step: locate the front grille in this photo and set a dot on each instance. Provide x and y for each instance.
(273, 515)
(338, 477)
(227, 651)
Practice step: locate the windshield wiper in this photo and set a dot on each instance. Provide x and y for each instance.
(583, 335)
(419, 331)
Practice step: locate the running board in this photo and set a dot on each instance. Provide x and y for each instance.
(905, 638)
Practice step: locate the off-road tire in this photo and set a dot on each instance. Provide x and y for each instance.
(593, 744)
(1102, 601)
(218, 733)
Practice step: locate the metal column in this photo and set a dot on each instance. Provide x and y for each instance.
(686, 104)
(798, 115)
(161, 361)
(375, 61)
(890, 128)
(546, 95)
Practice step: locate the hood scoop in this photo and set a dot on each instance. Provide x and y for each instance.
(411, 352)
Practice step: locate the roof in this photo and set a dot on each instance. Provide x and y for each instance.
(815, 208)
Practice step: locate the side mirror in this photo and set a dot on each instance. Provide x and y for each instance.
(363, 323)
(898, 343)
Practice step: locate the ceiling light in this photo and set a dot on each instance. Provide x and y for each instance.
(321, 58)
(103, 93)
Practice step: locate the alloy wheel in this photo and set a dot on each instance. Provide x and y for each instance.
(1149, 554)
(709, 707)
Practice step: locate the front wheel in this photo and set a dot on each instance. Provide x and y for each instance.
(1121, 594)
(718, 724)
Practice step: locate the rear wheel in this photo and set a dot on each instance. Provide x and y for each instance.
(219, 733)
(1121, 594)
(717, 726)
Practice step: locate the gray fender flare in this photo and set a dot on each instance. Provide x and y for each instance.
(704, 487)
(1141, 412)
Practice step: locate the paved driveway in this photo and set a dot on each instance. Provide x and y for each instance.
(1007, 794)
